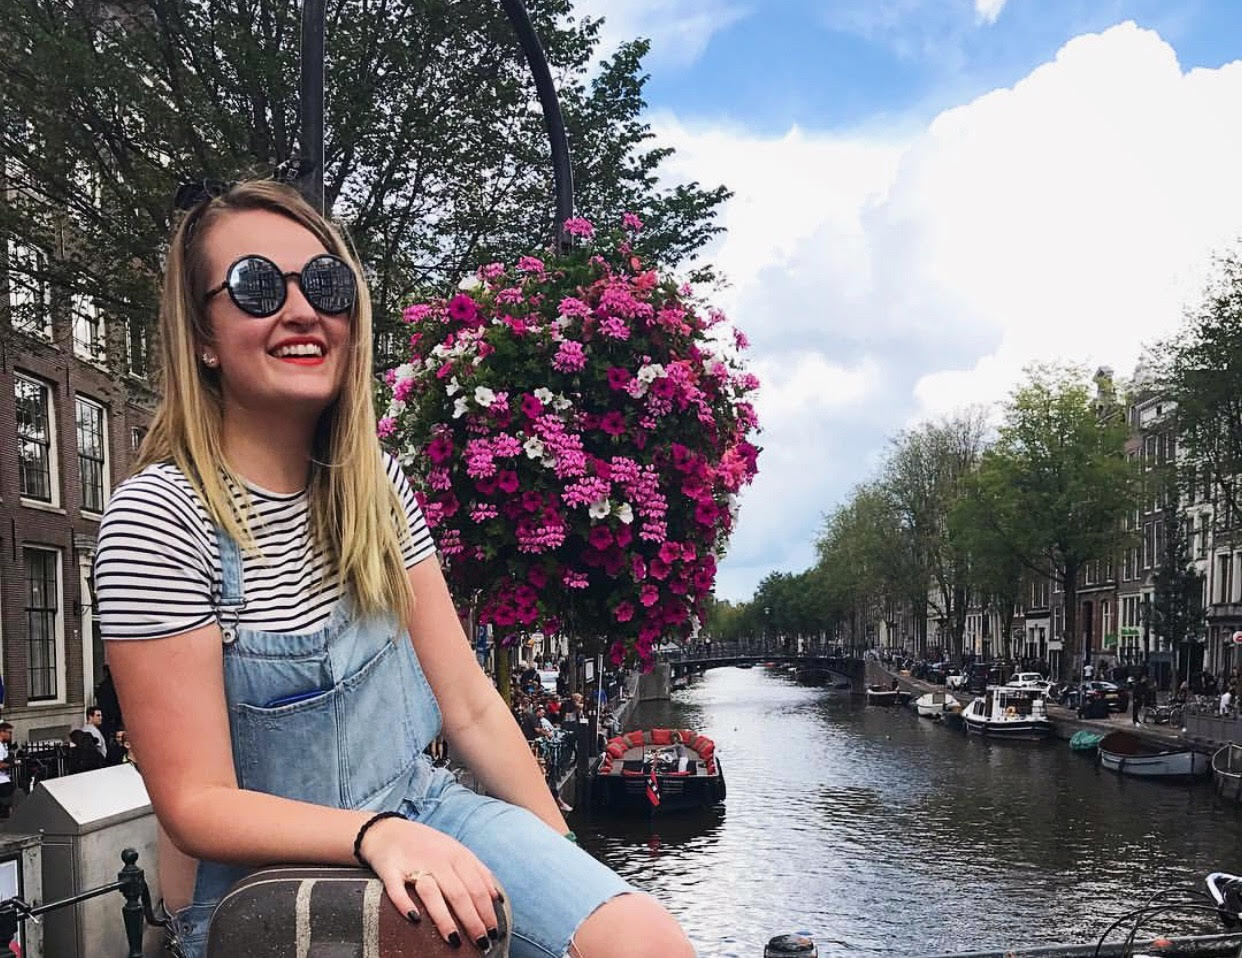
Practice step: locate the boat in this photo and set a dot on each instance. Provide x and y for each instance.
(1129, 754)
(879, 695)
(1227, 771)
(1005, 713)
(680, 762)
(1085, 740)
(746, 665)
(935, 704)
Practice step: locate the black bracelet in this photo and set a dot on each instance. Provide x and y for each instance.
(363, 830)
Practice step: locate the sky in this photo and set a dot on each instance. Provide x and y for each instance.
(929, 196)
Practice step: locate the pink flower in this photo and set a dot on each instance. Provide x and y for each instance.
(570, 357)
(740, 340)
(577, 226)
(670, 552)
(600, 537)
(649, 595)
(659, 569)
(706, 513)
(532, 408)
(624, 611)
(492, 270)
(386, 427)
(575, 580)
(463, 309)
(412, 314)
(623, 535)
(638, 568)
(618, 377)
(537, 576)
(507, 482)
(572, 306)
(440, 449)
(614, 328)
(631, 222)
(530, 264)
(613, 423)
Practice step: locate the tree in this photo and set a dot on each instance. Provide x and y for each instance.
(925, 477)
(1200, 370)
(434, 155)
(1055, 486)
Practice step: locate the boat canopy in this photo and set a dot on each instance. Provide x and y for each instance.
(640, 738)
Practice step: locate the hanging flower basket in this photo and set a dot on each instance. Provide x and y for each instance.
(577, 429)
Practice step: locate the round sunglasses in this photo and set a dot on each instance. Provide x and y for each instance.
(258, 287)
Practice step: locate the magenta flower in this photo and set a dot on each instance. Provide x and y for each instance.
(532, 408)
(440, 449)
(507, 482)
(624, 611)
(600, 537)
(618, 378)
(649, 595)
(463, 309)
(386, 427)
(631, 222)
(530, 264)
(613, 423)
(570, 357)
(670, 552)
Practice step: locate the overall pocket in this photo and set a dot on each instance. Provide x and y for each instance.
(290, 750)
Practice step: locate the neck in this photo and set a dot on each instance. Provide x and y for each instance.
(272, 452)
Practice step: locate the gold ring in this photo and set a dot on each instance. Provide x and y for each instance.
(412, 878)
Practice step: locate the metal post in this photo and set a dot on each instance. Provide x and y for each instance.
(311, 129)
(562, 170)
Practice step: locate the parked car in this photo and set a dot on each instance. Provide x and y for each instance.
(1028, 680)
(1094, 697)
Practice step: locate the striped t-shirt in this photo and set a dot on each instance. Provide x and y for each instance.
(157, 562)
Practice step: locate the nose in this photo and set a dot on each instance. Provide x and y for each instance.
(297, 308)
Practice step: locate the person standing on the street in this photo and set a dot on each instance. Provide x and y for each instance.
(7, 785)
(1226, 701)
(1138, 700)
(94, 719)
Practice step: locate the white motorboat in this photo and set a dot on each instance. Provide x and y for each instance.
(1004, 712)
(1130, 755)
(935, 704)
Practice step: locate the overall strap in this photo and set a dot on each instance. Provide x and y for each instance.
(231, 599)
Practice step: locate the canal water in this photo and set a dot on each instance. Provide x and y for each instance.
(880, 833)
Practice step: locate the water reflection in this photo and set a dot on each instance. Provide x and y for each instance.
(880, 833)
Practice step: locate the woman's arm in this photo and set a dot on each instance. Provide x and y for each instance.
(172, 695)
(477, 723)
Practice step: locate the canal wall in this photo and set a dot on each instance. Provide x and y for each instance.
(656, 685)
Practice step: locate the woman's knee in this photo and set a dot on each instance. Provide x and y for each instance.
(631, 926)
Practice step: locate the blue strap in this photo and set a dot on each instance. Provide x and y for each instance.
(232, 589)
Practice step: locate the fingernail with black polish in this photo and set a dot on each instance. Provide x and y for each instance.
(454, 939)
(482, 943)
(413, 916)
(493, 934)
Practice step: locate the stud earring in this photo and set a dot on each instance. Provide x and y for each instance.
(209, 360)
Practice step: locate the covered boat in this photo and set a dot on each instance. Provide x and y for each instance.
(658, 769)
(1004, 712)
(933, 705)
(879, 695)
(1227, 771)
(1085, 740)
(1131, 755)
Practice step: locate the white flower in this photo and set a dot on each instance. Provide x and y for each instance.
(625, 513)
(599, 509)
(548, 461)
(396, 408)
(560, 404)
(469, 283)
(459, 407)
(484, 396)
(561, 322)
(649, 374)
(404, 371)
(543, 394)
(453, 387)
(533, 447)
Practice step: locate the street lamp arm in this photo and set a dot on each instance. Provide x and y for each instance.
(561, 168)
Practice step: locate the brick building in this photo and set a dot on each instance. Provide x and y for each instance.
(70, 424)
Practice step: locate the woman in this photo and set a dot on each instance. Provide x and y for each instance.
(283, 644)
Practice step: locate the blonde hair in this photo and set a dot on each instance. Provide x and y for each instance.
(356, 516)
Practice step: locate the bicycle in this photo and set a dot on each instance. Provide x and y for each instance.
(1223, 900)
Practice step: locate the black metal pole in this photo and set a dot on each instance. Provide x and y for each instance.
(311, 129)
(546, 89)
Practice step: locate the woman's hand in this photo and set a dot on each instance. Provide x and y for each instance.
(444, 872)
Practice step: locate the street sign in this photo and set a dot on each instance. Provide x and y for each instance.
(1237, 638)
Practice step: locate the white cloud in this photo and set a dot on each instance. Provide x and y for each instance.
(679, 30)
(1071, 216)
(988, 10)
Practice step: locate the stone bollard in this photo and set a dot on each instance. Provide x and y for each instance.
(797, 944)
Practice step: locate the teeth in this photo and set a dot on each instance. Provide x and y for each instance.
(299, 349)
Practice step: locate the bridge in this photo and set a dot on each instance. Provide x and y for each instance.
(813, 668)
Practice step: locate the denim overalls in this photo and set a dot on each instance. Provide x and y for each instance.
(353, 737)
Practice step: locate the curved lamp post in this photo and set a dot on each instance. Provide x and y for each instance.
(311, 133)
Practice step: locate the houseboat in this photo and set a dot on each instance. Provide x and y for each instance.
(1003, 712)
(658, 770)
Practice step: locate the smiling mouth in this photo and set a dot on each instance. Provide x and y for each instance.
(300, 354)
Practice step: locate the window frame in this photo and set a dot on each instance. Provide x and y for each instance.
(80, 400)
(28, 295)
(56, 670)
(53, 458)
(84, 309)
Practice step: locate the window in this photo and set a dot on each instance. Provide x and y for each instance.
(1224, 588)
(43, 622)
(136, 348)
(1106, 618)
(1149, 544)
(88, 331)
(92, 453)
(30, 296)
(1149, 452)
(1201, 537)
(35, 450)
(136, 435)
